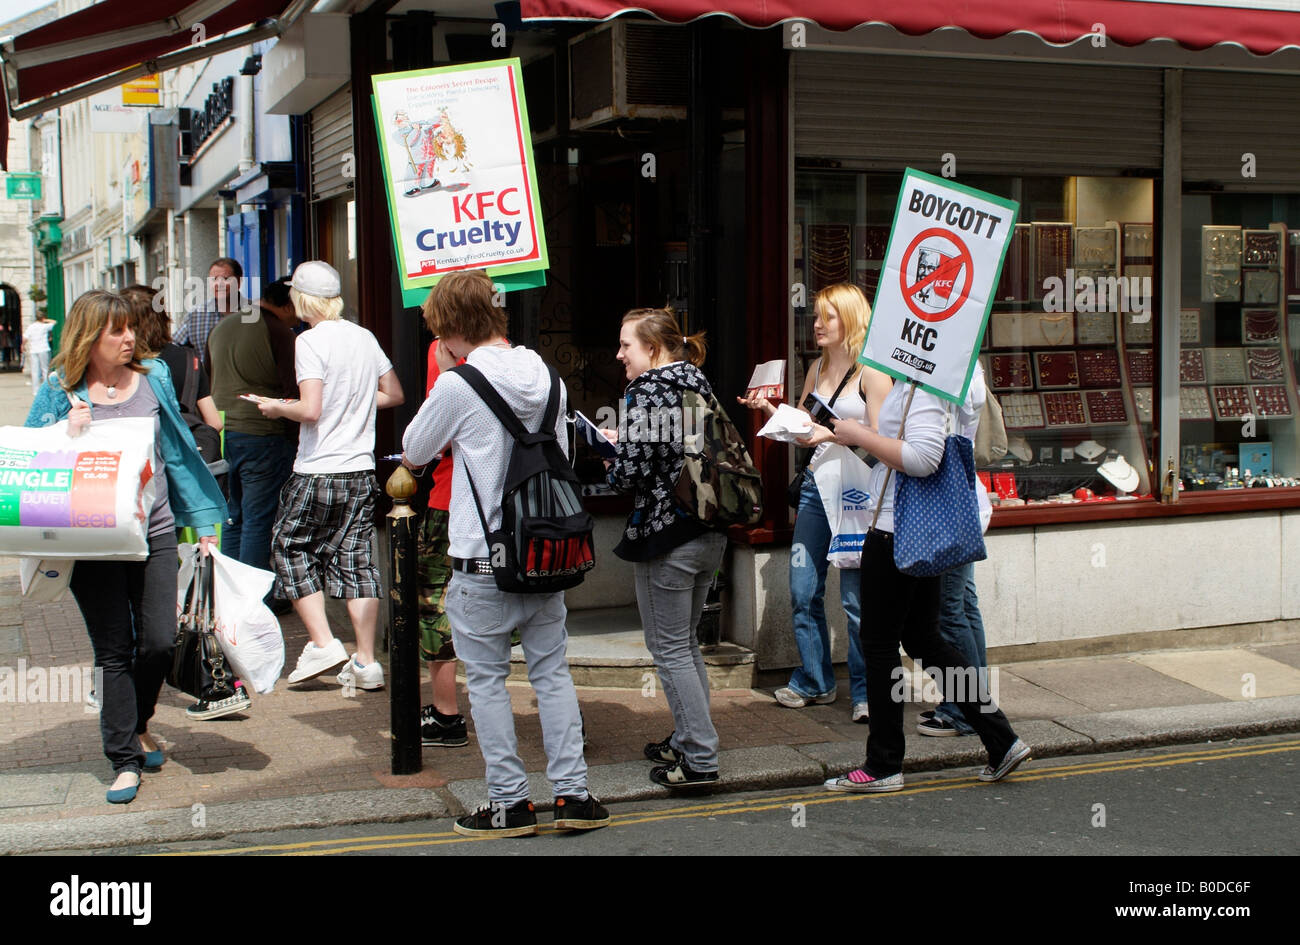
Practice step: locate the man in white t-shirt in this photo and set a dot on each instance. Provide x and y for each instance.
(323, 530)
(36, 346)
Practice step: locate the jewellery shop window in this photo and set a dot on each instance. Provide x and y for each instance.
(1069, 345)
(1240, 331)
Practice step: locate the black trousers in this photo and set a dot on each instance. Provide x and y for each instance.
(898, 608)
(130, 613)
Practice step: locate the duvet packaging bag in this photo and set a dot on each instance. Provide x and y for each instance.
(77, 497)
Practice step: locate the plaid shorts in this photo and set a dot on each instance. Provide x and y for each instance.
(322, 536)
(434, 573)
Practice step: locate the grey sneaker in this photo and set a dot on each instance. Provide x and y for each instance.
(858, 781)
(792, 700)
(1017, 753)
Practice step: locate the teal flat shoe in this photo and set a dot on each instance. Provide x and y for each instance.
(123, 795)
(153, 760)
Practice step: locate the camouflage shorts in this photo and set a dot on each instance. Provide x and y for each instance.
(434, 573)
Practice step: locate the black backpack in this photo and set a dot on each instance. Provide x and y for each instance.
(207, 439)
(544, 543)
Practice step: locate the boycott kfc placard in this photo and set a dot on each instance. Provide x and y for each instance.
(458, 166)
(945, 255)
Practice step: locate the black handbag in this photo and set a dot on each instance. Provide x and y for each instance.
(198, 665)
(795, 489)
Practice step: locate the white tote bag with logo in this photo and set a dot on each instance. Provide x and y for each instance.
(841, 479)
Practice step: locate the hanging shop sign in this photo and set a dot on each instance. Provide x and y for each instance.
(944, 259)
(458, 169)
(204, 122)
(144, 91)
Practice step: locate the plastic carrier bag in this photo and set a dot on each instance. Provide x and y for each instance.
(77, 497)
(248, 632)
(842, 481)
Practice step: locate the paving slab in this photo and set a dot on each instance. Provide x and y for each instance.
(1112, 684)
(129, 828)
(1222, 671)
(33, 790)
(1288, 653)
(1023, 699)
(1117, 731)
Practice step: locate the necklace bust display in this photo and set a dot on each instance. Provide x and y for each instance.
(1089, 450)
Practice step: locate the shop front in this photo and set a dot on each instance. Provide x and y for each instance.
(1142, 339)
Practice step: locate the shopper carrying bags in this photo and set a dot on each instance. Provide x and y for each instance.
(674, 555)
(856, 393)
(913, 426)
(129, 607)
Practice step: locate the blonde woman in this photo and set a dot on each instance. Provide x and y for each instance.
(129, 607)
(322, 534)
(842, 318)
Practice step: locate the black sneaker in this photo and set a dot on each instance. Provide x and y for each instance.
(663, 752)
(207, 709)
(574, 814)
(442, 734)
(680, 776)
(498, 820)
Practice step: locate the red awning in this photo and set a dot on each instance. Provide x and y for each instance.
(116, 34)
(1127, 22)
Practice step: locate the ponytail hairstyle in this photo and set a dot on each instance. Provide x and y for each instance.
(658, 330)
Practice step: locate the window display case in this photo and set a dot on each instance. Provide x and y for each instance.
(1239, 357)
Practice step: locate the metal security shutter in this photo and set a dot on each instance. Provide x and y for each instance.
(1228, 114)
(887, 112)
(331, 143)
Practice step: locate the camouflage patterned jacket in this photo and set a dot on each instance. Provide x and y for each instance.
(650, 461)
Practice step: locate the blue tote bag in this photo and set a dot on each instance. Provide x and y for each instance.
(936, 518)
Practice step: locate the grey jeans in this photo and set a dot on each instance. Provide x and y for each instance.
(670, 591)
(482, 618)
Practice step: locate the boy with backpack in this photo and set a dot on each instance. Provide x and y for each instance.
(460, 310)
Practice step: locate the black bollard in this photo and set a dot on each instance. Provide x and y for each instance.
(404, 639)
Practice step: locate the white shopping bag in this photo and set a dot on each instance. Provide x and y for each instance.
(842, 481)
(77, 497)
(248, 632)
(45, 580)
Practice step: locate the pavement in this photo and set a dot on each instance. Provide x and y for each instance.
(313, 756)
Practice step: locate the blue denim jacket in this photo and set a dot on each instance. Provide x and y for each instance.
(195, 497)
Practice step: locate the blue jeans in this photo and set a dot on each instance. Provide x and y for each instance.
(812, 539)
(259, 468)
(482, 618)
(961, 625)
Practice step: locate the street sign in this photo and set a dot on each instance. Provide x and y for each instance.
(142, 91)
(936, 288)
(23, 186)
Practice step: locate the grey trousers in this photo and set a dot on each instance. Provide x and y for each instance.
(482, 618)
(670, 591)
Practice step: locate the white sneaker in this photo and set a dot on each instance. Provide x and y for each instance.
(792, 700)
(861, 713)
(316, 660)
(370, 676)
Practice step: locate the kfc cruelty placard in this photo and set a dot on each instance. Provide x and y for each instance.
(458, 167)
(944, 259)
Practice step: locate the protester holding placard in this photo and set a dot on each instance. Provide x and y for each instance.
(129, 607)
(842, 318)
(906, 608)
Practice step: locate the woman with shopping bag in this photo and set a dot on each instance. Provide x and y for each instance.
(901, 568)
(129, 607)
(855, 392)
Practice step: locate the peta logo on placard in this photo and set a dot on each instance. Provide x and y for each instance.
(75, 898)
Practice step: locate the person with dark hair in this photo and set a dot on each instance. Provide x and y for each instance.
(129, 606)
(223, 287)
(255, 356)
(153, 336)
(674, 555)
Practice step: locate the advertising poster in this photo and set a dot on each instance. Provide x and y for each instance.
(458, 167)
(944, 259)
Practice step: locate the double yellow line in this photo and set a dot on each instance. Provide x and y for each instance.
(806, 797)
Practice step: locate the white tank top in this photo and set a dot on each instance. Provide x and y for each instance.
(849, 405)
